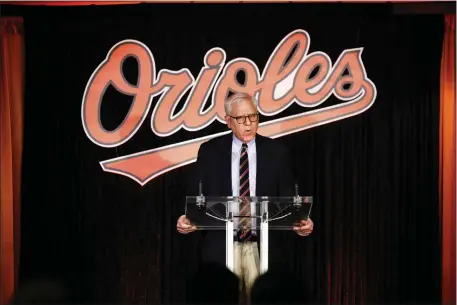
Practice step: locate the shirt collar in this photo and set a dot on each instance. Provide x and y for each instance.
(236, 144)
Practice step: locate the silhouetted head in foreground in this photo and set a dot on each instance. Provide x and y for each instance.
(278, 288)
(214, 284)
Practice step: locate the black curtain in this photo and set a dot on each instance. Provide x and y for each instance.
(373, 176)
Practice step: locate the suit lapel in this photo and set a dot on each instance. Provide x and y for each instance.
(261, 163)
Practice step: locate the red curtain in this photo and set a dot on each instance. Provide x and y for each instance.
(11, 122)
(447, 162)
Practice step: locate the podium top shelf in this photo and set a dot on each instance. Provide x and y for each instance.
(252, 199)
(281, 213)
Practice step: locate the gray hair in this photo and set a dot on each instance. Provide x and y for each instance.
(237, 98)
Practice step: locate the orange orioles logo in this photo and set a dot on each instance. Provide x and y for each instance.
(286, 79)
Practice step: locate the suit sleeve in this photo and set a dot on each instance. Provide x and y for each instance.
(191, 243)
(282, 253)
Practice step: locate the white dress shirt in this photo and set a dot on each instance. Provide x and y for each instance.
(252, 155)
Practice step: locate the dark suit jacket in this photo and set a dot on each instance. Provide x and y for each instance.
(274, 178)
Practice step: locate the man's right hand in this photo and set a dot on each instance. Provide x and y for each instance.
(184, 226)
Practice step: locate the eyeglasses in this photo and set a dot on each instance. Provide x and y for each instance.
(241, 119)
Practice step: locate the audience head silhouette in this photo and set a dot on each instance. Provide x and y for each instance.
(278, 287)
(214, 284)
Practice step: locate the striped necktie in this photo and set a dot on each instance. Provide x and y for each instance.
(244, 234)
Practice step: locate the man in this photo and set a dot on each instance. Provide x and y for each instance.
(242, 163)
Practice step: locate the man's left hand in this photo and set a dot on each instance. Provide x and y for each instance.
(304, 228)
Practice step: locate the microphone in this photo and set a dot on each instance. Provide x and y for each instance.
(200, 200)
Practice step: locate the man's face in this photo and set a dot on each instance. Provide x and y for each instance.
(244, 131)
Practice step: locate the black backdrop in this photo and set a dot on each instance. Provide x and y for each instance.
(373, 176)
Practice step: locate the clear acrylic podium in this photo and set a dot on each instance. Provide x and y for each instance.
(267, 213)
